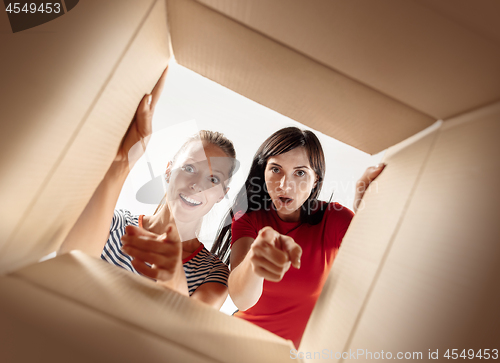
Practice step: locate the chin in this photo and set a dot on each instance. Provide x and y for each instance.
(184, 216)
(286, 210)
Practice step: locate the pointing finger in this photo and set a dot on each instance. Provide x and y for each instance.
(294, 251)
(138, 231)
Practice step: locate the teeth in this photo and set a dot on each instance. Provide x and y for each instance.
(189, 200)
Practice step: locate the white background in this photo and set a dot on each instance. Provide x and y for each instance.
(190, 103)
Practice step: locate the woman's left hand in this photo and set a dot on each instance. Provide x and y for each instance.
(163, 253)
(370, 174)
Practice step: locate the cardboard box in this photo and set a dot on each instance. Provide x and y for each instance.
(419, 266)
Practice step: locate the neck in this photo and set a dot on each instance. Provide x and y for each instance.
(292, 217)
(190, 246)
(159, 222)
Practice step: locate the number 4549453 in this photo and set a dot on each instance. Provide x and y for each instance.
(471, 354)
(33, 8)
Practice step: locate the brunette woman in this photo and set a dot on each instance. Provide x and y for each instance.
(283, 239)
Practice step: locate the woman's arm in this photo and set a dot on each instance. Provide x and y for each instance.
(211, 293)
(164, 254)
(268, 257)
(245, 286)
(91, 230)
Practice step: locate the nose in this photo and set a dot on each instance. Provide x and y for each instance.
(196, 187)
(284, 184)
(200, 183)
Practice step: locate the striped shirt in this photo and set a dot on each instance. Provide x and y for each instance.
(200, 267)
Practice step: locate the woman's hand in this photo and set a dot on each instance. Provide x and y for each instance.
(272, 253)
(141, 126)
(163, 253)
(267, 257)
(91, 231)
(364, 182)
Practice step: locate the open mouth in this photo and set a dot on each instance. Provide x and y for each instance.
(189, 201)
(285, 200)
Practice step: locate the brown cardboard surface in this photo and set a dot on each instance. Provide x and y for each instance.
(438, 285)
(479, 16)
(119, 296)
(39, 326)
(288, 81)
(418, 271)
(83, 89)
(418, 268)
(439, 57)
(365, 245)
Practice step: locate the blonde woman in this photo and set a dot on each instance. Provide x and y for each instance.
(197, 178)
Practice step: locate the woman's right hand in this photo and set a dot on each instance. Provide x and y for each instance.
(141, 126)
(272, 253)
(157, 257)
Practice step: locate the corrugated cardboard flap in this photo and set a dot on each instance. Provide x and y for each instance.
(367, 73)
(417, 267)
(70, 89)
(286, 80)
(137, 302)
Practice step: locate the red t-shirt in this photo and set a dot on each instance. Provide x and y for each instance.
(284, 307)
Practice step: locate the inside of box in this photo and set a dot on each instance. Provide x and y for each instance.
(418, 266)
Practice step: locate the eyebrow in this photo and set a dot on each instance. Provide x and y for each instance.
(297, 167)
(218, 171)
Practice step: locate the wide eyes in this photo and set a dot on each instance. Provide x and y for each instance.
(276, 170)
(188, 168)
(214, 179)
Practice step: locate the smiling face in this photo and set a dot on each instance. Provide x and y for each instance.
(289, 181)
(197, 181)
